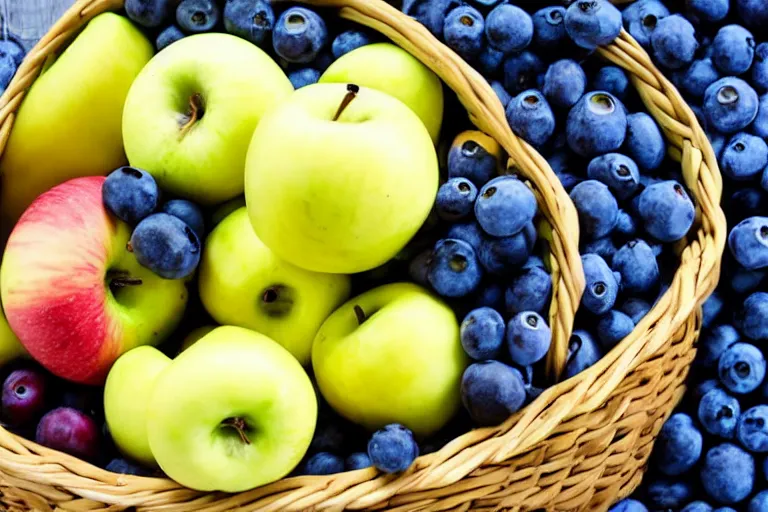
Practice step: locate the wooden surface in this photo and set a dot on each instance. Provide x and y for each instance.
(30, 19)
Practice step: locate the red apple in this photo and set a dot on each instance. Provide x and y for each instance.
(72, 292)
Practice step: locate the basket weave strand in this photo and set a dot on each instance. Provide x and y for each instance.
(581, 445)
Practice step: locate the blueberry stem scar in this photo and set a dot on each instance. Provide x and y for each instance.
(239, 425)
(360, 314)
(352, 91)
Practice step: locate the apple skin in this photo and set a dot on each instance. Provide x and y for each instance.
(231, 372)
(10, 346)
(70, 122)
(392, 70)
(194, 336)
(339, 196)
(236, 272)
(54, 287)
(126, 394)
(237, 82)
(402, 365)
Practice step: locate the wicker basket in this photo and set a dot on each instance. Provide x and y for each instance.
(582, 445)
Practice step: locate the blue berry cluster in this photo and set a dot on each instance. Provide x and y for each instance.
(166, 238)
(12, 52)
(300, 39)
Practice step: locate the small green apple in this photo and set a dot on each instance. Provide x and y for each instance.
(232, 412)
(391, 355)
(190, 114)
(243, 283)
(390, 69)
(126, 393)
(339, 178)
(223, 210)
(194, 336)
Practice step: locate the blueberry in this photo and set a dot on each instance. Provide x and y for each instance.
(603, 247)
(760, 69)
(530, 290)
(482, 333)
(125, 467)
(148, 13)
(636, 309)
(748, 242)
(470, 158)
(502, 256)
(168, 36)
(759, 502)
(592, 23)
(469, 232)
(730, 105)
(697, 506)
(130, 194)
(392, 449)
(733, 50)
(253, 20)
(501, 92)
(728, 473)
(564, 83)
(714, 342)
(678, 446)
(357, 460)
(718, 140)
(196, 16)
(705, 387)
(718, 413)
(455, 199)
(752, 429)
(528, 338)
(430, 13)
(597, 208)
(549, 27)
(491, 391)
(504, 206)
(752, 320)
(303, 77)
(628, 505)
(618, 172)
(12, 48)
(746, 281)
(489, 62)
(330, 435)
(644, 141)
(754, 13)
(349, 40)
(530, 117)
(625, 225)
(613, 327)
(666, 211)
(7, 71)
(521, 72)
(299, 35)
(189, 212)
(602, 285)
(642, 17)
(707, 11)
(597, 124)
(418, 268)
(323, 463)
(637, 265)
(613, 80)
(453, 269)
(760, 124)
(583, 352)
(166, 245)
(674, 42)
(533, 261)
(744, 157)
(747, 202)
(560, 163)
(711, 309)
(509, 28)
(463, 31)
(668, 494)
(491, 295)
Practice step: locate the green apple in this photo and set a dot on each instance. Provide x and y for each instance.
(126, 394)
(190, 114)
(194, 336)
(70, 121)
(243, 283)
(391, 355)
(390, 69)
(232, 412)
(339, 181)
(223, 210)
(10, 346)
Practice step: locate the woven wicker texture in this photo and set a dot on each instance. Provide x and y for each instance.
(581, 445)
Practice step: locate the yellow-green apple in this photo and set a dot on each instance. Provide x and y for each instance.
(194, 336)
(127, 392)
(70, 122)
(190, 114)
(391, 355)
(339, 178)
(232, 412)
(10, 346)
(390, 69)
(73, 293)
(223, 210)
(243, 283)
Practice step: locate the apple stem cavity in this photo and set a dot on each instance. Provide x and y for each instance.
(119, 279)
(194, 113)
(360, 314)
(352, 91)
(239, 425)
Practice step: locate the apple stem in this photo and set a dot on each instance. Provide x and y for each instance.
(239, 425)
(122, 282)
(194, 114)
(352, 91)
(360, 314)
